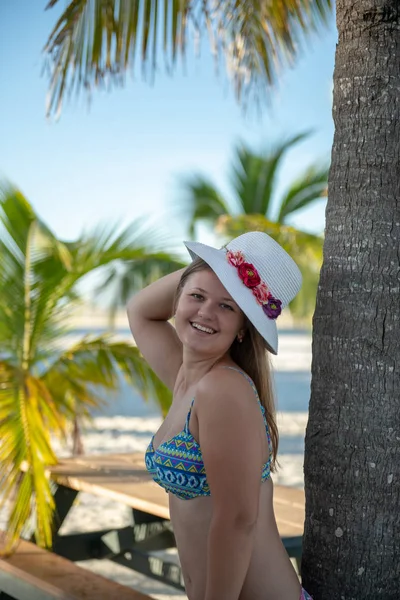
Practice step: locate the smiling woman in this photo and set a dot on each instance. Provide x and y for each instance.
(203, 305)
(219, 439)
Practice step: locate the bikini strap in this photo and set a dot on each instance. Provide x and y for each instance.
(186, 429)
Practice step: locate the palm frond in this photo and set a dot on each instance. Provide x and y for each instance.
(254, 175)
(258, 38)
(58, 271)
(95, 42)
(17, 220)
(246, 180)
(30, 295)
(99, 362)
(16, 216)
(202, 201)
(23, 458)
(43, 387)
(107, 243)
(311, 186)
(38, 406)
(128, 259)
(124, 280)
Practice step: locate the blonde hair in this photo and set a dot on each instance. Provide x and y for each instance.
(251, 356)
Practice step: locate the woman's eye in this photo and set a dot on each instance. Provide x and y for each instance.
(227, 306)
(197, 296)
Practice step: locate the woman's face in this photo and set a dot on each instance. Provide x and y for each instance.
(207, 319)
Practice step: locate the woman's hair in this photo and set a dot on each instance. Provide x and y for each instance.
(251, 356)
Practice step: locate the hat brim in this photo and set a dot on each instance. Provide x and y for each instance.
(241, 294)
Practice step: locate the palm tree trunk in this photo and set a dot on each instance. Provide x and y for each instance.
(352, 451)
(78, 448)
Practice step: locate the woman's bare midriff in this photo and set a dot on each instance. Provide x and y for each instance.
(270, 576)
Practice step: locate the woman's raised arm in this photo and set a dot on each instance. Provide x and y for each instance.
(148, 314)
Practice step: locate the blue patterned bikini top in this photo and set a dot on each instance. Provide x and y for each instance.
(177, 464)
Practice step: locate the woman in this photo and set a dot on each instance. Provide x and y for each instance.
(216, 448)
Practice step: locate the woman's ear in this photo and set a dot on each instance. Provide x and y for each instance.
(240, 335)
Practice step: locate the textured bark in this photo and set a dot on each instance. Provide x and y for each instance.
(352, 451)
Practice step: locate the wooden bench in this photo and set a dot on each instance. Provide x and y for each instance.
(124, 479)
(32, 573)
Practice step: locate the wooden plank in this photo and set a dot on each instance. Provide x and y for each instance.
(289, 510)
(289, 524)
(141, 495)
(21, 585)
(123, 478)
(57, 577)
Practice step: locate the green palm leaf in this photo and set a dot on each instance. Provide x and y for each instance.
(24, 456)
(202, 202)
(130, 258)
(311, 186)
(247, 180)
(125, 280)
(254, 175)
(26, 295)
(45, 386)
(101, 361)
(95, 42)
(107, 243)
(253, 183)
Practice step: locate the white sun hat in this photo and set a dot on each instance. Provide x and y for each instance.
(262, 291)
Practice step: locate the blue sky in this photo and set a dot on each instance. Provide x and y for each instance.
(125, 155)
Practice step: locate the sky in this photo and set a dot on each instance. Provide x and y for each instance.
(126, 154)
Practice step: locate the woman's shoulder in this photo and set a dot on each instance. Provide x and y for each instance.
(227, 382)
(224, 396)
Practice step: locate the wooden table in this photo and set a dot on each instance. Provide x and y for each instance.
(123, 478)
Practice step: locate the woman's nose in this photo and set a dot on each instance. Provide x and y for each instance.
(205, 311)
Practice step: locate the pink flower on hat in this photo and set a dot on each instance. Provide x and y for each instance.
(261, 293)
(235, 258)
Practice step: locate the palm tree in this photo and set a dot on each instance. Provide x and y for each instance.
(352, 466)
(252, 205)
(44, 381)
(253, 186)
(95, 42)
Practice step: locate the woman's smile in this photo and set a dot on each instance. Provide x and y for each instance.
(204, 329)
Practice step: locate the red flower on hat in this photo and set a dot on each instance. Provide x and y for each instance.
(249, 275)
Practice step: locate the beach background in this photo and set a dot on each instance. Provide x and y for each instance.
(126, 424)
